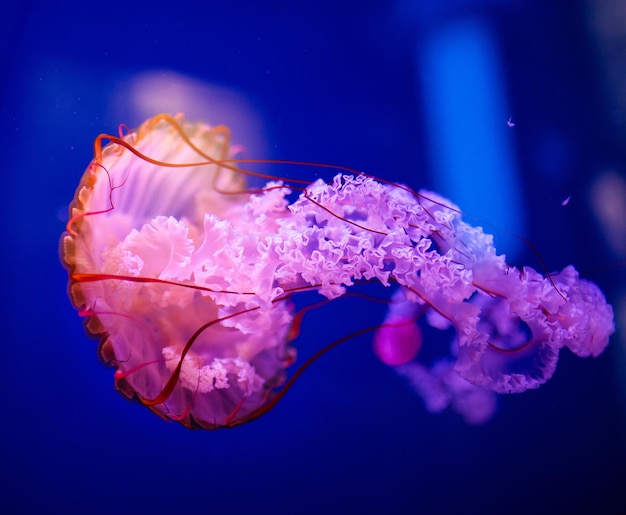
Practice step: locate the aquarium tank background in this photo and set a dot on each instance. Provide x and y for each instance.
(514, 110)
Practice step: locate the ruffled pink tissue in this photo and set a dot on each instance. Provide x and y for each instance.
(187, 277)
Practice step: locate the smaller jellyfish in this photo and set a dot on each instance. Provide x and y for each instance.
(397, 343)
(187, 276)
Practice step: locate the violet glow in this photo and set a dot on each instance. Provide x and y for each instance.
(186, 277)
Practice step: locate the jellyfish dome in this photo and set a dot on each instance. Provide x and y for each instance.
(162, 257)
(186, 274)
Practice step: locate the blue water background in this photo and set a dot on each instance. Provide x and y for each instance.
(400, 90)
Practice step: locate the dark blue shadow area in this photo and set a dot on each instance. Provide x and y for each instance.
(333, 83)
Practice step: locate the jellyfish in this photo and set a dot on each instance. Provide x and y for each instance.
(187, 273)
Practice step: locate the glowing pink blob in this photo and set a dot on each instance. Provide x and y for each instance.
(398, 342)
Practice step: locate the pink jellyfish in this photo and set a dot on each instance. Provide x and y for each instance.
(186, 275)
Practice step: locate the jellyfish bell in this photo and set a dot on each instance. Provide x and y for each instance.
(164, 263)
(186, 274)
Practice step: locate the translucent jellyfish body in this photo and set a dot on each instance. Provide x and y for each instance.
(186, 276)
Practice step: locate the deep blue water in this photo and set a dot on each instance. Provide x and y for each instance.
(395, 89)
